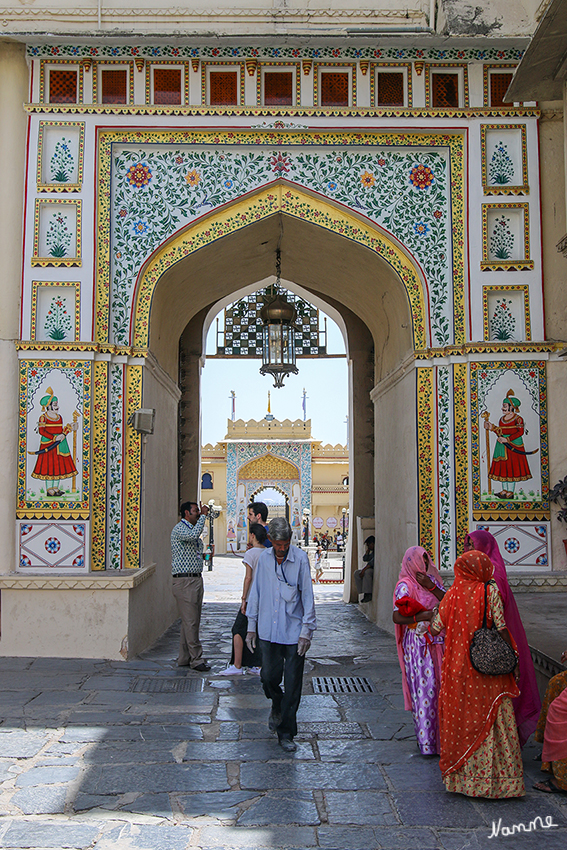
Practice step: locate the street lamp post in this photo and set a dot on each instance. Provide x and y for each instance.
(214, 513)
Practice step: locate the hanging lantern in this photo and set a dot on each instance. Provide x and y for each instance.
(278, 348)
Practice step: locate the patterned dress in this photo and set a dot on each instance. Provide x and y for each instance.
(559, 767)
(423, 673)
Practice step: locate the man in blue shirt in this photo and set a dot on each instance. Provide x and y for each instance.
(281, 613)
(187, 572)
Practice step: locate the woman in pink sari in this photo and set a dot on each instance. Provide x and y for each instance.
(420, 656)
(552, 731)
(527, 706)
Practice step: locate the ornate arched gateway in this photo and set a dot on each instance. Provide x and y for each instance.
(375, 224)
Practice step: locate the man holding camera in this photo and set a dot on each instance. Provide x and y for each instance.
(187, 572)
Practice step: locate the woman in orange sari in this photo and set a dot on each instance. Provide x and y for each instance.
(480, 751)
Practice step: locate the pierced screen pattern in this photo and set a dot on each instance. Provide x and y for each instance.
(334, 88)
(114, 85)
(278, 88)
(445, 91)
(223, 88)
(390, 90)
(167, 85)
(243, 329)
(62, 86)
(498, 86)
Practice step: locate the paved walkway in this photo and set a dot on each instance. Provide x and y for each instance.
(108, 755)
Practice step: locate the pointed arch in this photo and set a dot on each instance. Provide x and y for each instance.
(288, 199)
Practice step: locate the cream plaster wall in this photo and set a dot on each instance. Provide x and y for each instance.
(396, 487)
(159, 511)
(45, 623)
(551, 138)
(556, 411)
(13, 92)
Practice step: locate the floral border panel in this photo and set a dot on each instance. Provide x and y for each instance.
(100, 504)
(426, 457)
(524, 264)
(74, 323)
(445, 479)
(46, 547)
(529, 378)
(461, 452)
(524, 546)
(115, 473)
(171, 50)
(59, 234)
(35, 374)
(521, 287)
(132, 509)
(504, 188)
(62, 158)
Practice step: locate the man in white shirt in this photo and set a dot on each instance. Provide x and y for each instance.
(281, 613)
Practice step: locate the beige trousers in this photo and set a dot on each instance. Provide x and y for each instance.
(188, 592)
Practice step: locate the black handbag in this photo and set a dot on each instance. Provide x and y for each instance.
(489, 652)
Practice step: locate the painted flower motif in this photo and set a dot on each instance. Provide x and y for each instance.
(437, 214)
(79, 561)
(421, 176)
(421, 228)
(228, 184)
(367, 179)
(52, 545)
(193, 177)
(381, 162)
(332, 186)
(280, 164)
(179, 160)
(122, 213)
(140, 227)
(139, 175)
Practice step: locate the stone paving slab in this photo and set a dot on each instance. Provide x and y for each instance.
(87, 763)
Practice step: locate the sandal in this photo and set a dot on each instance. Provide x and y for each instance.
(548, 787)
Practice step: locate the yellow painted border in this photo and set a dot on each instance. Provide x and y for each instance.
(426, 457)
(36, 260)
(521, 287)
(99, 464)
(36, 285)
(132, 496)
(461, 425)
(60, 187)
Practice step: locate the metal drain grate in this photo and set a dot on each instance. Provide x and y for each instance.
(159, 685)
(342, 685)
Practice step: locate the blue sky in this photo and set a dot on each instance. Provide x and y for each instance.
(325, 381)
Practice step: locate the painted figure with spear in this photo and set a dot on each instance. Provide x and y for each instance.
(509, 461)
(54, 460)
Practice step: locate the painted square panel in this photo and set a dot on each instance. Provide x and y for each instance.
(55, 546)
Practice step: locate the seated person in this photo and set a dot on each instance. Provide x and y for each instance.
(364, 578)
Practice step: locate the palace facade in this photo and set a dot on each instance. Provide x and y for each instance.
(153, 162)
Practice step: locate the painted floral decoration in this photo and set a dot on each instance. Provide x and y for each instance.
(193, 177)
(62, 162)
(139, 175)
(140, 227)
(52, 545)
(421, 176)
(502, 323)
(58, 238)
(280, 164)
(501, 168)
(502, 239)
(367, 179)
(421, 228)
(58, 321)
